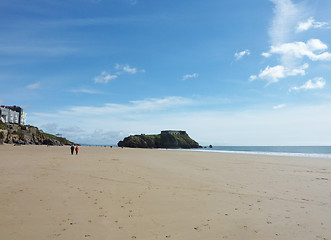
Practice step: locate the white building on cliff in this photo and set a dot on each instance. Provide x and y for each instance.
(12, 114)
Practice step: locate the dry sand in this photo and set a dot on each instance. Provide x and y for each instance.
(113, 193)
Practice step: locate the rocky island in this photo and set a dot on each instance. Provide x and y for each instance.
(166, 139)
(13, 133)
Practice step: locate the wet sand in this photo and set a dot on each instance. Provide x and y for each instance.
(113, 193)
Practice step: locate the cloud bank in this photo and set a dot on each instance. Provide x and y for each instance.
(110, 123)
(293, 56)
(286, 14)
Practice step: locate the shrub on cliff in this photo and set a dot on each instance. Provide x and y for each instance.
(25, 134)
(3, 125)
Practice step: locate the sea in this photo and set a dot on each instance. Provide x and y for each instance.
(298, 151)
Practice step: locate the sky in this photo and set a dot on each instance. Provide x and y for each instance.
(230, 72)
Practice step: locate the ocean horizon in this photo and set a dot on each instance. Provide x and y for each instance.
(300, 151)
(296, 151)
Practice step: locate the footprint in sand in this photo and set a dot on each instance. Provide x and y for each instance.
(204, 225)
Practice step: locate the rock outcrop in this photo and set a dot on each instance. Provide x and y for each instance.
(24, 134)
(167, 139)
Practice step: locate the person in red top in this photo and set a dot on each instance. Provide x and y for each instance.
(76, 149)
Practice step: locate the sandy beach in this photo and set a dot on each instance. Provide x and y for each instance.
(113, 193)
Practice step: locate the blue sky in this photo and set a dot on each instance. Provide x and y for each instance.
(228, 72)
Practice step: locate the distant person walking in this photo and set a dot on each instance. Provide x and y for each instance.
(77, 148)
(72, 149)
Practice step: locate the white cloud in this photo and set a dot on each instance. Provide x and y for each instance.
(133, 107)
(85, 90)
(292, 54)
(273, 74)
(157, 104)
(314, 49)
(238, 127)
(310, 23)
(316, 83)
(33, 86)
(241, 54)
(50, 127)
(137, 116)
(252, 78)
(301, 70)
(127, 69)
(104, 77)
(266, 55)
(188, 76)
(279, 106)
(286, 15)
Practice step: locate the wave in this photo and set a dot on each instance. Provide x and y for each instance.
(288, 154)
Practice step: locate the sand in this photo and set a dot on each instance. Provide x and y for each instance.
(113, 193)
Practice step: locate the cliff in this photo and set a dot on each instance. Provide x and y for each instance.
(167, 139)
(24, 134)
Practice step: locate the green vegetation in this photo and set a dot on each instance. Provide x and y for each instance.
(3, 125)
(20, 135)
(62, 140)
(28, 135)
(39, 134)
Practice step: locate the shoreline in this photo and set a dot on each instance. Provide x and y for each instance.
(115, 193)
(250, 152)
(213, 150)
(280, 154)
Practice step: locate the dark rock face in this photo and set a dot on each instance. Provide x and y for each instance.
(51, 142)
(18, 134)
(2, 136)
(167, 139)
